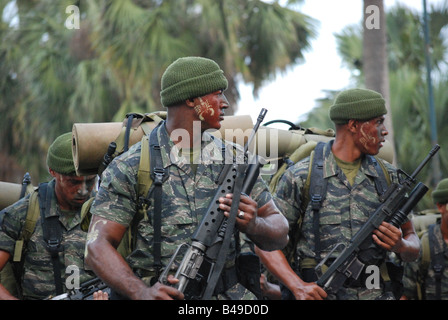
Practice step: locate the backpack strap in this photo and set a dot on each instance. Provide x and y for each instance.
(317, 185)
(318, 190)
(159, 175)
(52, 232)
(28, 229)
(383, 181)
(437, 259)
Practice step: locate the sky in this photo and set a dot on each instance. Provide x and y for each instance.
(292, 95)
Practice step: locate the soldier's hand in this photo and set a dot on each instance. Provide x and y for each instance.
(388, 237)
(160, 291)
(309, 291)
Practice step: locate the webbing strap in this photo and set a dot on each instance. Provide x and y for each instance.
(158, 174)
(52, 232)
(318, 186)
(437, 259)
(318, 190)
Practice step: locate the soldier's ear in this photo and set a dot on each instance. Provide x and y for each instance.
(190, 103)
(352, 125)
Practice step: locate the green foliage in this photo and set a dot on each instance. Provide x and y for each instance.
(408, 85)
(52, 76)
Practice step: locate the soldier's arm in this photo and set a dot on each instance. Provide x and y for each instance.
(277, 264)
(103, 239)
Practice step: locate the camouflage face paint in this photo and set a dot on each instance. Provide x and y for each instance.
(204, 109)
(371, 135)
(367, 138)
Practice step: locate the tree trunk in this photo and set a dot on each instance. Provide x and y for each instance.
(375, 59)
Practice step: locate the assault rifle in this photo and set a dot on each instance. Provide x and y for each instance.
(85, 291)
(205, 257)
(397, 203)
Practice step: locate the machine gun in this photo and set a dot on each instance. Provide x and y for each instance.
(204, 259)
(397, 203)
(85, 291)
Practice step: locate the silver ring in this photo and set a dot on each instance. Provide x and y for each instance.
(241, 214)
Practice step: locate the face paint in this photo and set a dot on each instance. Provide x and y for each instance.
(210, 109)
(204, 109)
(73, 191)
(366, 137)
(92, 235)
(370, 135)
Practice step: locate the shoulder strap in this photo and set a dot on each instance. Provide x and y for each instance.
(317, 191)
(32, 215)
(52, 232)
(437, 259)
(383, 180)
(159, 175)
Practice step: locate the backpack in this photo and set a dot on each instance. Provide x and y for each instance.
(150, 170)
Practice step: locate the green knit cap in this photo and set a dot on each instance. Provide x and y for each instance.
(440, 193)
(59, 156)
(357, 104)
(191, 77)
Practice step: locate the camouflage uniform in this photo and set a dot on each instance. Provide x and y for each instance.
(414, 274)
(38, 278)
(186, 197)
(343, 212)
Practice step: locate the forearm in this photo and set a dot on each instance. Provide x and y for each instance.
(110, 266)
(277, 264)
(271, 229)
(410, 248)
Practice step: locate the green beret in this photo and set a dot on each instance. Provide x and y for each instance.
(59, 156)
(191, 77)
(357, 104)
(440, 193)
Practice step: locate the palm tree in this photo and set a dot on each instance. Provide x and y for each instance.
(52, 77)
(375, 63)
(407, 78)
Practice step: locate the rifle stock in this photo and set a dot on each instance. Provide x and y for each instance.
(397, 203)
(200, 267)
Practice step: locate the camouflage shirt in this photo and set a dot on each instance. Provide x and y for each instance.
(417, 276)
(185, 199)
(38, 276)
(343, 212)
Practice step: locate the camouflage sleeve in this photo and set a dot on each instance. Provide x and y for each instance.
(116, 199)
(12, 224)
(287, 195)
(260, 192)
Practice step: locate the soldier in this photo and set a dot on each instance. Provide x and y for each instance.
(351, 196)
(193, 92)
(43, 269)
(427, 278)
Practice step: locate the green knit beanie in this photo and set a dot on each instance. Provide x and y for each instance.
(191, 77)
(440, 193)
(357, 104)
(59, 156)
